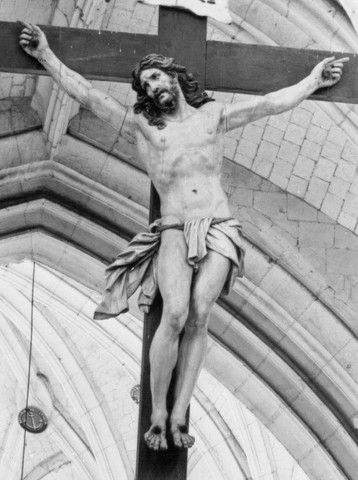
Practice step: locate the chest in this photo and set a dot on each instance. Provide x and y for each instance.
(198, 131)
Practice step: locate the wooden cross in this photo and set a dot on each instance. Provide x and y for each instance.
(220, 66)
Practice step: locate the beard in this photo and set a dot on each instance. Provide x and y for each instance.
(170, 104)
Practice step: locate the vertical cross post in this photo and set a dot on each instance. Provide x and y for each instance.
(182, 35)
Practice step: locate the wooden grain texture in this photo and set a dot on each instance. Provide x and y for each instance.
(258, 69)
(100, 55)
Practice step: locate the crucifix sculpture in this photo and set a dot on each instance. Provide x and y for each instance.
(195, 249)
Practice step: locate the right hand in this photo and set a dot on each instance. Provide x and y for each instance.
(328, 72)
(32, 39)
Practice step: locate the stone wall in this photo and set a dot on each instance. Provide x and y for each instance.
(331, 248)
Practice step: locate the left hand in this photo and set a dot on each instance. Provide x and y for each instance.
(328, 72)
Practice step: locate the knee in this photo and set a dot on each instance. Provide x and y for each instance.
(175, 315)
(198, 319)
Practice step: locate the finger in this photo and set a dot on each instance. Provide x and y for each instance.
(339, 61)
(343, 60)
(35, 28)
(27, 30)
(26, 33)
(25, 36)
(24, 24)
(328, 60)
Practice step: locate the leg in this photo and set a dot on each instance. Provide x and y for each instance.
(207, 286)
(174, 279)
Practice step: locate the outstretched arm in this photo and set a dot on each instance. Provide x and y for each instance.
(34, 42)
(325, 74)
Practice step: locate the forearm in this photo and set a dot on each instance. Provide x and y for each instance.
(325, 74)
(73, 83)
(289, 97)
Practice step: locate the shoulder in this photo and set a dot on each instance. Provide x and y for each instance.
(213, 109)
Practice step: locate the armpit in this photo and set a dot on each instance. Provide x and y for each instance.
(129, 126)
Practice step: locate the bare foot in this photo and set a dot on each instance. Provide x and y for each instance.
(155, 438)
(181, 437)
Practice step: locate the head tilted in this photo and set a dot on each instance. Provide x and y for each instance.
(188, 85)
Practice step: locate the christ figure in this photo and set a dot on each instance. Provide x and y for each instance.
(194, 252)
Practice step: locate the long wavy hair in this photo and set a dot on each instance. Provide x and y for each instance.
(188, 84)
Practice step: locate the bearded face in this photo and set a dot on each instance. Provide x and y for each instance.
(161, 88)
(167, 98)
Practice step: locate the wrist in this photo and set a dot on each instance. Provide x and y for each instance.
(43, 54)
(313, 83)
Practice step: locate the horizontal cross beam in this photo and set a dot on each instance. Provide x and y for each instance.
(231, 67)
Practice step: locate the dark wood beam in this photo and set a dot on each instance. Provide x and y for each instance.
(260, 69)
(231, 67)
(183, 36)
(98, 55)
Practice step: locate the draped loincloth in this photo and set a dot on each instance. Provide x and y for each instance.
(137, 264)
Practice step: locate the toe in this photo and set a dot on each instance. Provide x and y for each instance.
(191, 441)
(177, 439)
(163, 443)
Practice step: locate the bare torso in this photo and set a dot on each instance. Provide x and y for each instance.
(184, 163)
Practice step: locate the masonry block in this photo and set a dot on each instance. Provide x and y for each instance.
(297, 186)
(304, 167)
(325, 169)
(301, 117)
(336, 135)
(291, 228)
(316, 234)
(316, 192)
(341, 261)
(262, 166)
(295, 134)
(332, 205)
(347, 220)
(247, 149)
(242, 196)
(346, 170)
(253, 133)
(311, 149)
(345, 239)
(354, 186)
(336, 281)
(350, 205)
(273, 135)
(339, 187)
(272, 204)
(350, 152)
(288, 151)
(316, 256)
(317, 134)
(320, 119)
(279, 180)
(267, 151)
(300, 210)
(243, 160)
(332, 151)
(280, 121)
(282, 169)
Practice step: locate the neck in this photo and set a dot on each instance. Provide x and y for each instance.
(182, 111)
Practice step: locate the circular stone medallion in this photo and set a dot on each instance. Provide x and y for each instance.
(33, 420)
